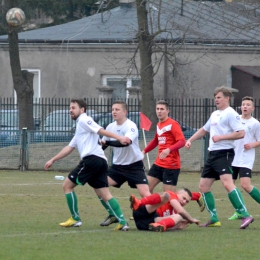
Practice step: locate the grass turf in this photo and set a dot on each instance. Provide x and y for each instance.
(33, 204)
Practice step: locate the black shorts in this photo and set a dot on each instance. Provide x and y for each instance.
(218, 163)
(132, 173)
(242, 172)
(143, 218)
(92, 170)
(167, 176)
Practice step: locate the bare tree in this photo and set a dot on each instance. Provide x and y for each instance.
(145, 45)
(23, 82)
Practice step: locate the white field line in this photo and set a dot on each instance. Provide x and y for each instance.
(30, 184)
(39, 195)
(69, 232)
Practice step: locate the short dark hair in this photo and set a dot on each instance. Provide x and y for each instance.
(226, 92)
(81, 102)
(163, 102)
(188, 191)
(248, 98)
(121, 102)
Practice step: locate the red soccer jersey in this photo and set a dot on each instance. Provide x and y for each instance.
(168, 133)
(167, 209)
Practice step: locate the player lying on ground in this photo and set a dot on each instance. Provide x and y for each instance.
(159, 212)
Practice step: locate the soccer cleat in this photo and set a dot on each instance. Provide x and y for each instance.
(211, 224)
(134, 202)
(122, 227)
(71, 223)
(131, 218)
(246, 221)
(201, 203)
(108, 221)
(236, 216)
(156, 227)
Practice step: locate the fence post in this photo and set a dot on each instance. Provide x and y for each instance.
(24, 151)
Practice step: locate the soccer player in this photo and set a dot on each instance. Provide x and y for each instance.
(92, 168)
(127, 160)
(159, 212)
(245, 151)
(224, 126)
(169, 138)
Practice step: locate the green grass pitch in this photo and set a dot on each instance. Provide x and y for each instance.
(33, 204)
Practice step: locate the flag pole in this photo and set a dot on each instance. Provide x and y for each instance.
(148, 161)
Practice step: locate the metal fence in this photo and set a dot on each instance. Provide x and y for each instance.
(54, 129)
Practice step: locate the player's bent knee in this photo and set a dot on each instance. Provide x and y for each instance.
(165, 197)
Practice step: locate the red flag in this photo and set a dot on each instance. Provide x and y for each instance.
(145, 123)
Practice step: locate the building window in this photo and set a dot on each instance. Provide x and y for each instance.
(120, 84)
(36, 85)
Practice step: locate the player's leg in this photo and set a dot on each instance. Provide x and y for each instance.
(152, 183)
(110, 219)
(71, 197)
(211, 172)
(235, 174)
(245, 181)
(197, 196)
(181, 225)
(161, 224)
(135, 175)
(154, 176)
(143, 190)
(68, 187)
(97, 169)
(236, 199)
(223, 165)
(114, 179)
(204, 186)
(114, 206)
(152, 202)
(170, 179)
(143, 218)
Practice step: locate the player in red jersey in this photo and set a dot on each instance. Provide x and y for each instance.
(169, 138)
(159, 212)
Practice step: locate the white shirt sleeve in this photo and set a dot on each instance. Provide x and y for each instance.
(132, 132)
(73, 142)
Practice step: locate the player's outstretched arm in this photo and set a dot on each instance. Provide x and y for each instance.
(199, 134)
(63, 153)
(122, 139)
(180, 210)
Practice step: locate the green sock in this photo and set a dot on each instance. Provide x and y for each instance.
(255, 194)
(116, 210)
(210, 205)
(237, 200)
(72, 202)
(106, 206)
